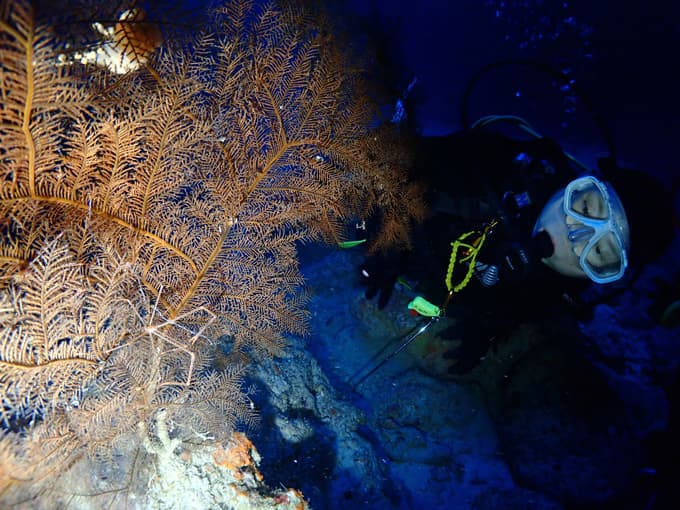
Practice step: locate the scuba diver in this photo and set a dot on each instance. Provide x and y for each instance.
(518, 231)
(517, 228)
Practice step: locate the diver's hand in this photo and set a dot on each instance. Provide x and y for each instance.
(379, 274)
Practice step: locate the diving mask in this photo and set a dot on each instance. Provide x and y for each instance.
(597, 228)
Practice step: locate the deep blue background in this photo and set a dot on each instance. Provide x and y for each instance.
(623, 55)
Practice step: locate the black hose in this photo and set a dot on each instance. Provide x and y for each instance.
(599, 121)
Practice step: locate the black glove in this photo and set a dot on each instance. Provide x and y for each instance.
(476, 332)
(379, 273)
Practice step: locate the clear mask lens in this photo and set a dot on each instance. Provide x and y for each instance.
(602, 257)
(587, 200)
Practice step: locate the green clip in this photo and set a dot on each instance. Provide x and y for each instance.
(351, 244)
(423, 307)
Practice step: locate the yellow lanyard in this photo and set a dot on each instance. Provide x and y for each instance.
(468, 244)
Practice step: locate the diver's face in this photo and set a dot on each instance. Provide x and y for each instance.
(565, 257)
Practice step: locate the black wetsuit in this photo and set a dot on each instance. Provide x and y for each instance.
(474, 177)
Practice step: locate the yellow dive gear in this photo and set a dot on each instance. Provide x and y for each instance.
(468, 251)
(464, 249)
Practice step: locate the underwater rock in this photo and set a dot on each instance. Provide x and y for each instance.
(563, 431)
(312, 436)
(170, 474)
(217, 476)
(433, 439)
(513, 499)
